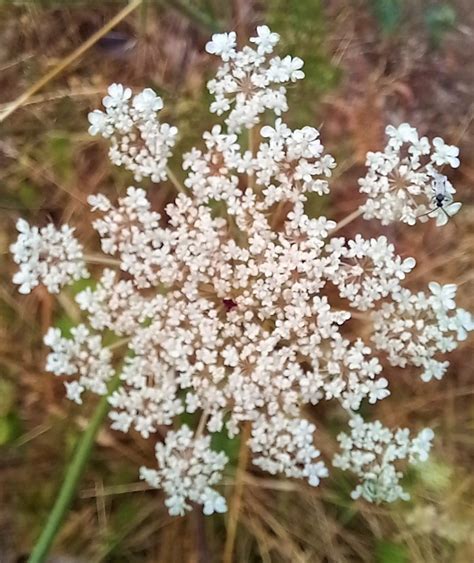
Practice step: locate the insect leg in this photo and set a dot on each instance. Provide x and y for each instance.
(427, 213)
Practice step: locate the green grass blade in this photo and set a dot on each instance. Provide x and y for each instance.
(71, 479)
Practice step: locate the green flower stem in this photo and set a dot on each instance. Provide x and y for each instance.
(71, 480)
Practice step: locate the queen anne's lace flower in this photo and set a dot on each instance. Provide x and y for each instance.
(213, 174)
(223, 45)
(234, 303)
(248, 80)
(283, 445)
(116, 304)
(291, 163)
(132, 232)
(414, 328)
(265, 40)
(405, 183)
(139, 142)
(188, 468)
(288, 166)
(82, 356)
(371, 451)
(148, 398)
(48, 255)
(369, 270)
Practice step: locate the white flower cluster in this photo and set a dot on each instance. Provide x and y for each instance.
(48, 255)
(369, 270)
(234, 306)
(249, 81)
(116, 304)
(132, 232)
(346, 372)
(149, 398)
(286, 167)
(211, 321)
(286, 446)
(291, 163)
(371, 451)
(405, 183)
(414, 327)
(139, 142)
(82, 355)
(188, 468)
(214, 174)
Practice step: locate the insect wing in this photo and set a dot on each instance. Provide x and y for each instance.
(442, 217)
(453, 208)
(444, 213)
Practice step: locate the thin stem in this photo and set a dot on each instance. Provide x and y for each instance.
(119, 343)
(71, 480)
(253, 151)
(346, 220)
(237, 498)
(117, 490)
(58, 95)
(99, 259)
(69, 306)
(176, 183)
(201, 425)
(277, 214)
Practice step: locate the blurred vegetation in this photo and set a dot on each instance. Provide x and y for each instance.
(439, 18)
(388, 13)
(367, 63)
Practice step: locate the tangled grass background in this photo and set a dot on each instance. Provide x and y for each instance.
(366, 64)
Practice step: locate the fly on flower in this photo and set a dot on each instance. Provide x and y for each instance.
(443, 205)
(406, 175)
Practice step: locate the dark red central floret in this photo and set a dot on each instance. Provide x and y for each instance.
(229, 304)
